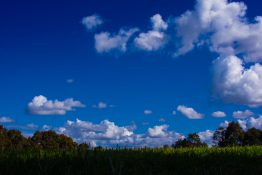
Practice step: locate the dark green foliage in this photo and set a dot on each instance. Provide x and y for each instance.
(192, 140)
(253, 136)
(50, 140)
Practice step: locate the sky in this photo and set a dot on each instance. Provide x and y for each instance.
(131, 73)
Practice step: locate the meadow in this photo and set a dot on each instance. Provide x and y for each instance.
(158, 161)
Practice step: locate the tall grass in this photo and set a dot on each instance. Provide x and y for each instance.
(159, 161)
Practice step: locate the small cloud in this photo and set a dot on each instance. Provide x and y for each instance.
(40, 105)
(173, 112)
(242, 114)
(6, 120)
(106, 42)
(46, 127)
(189, 112)
(219, 114)
(148, 112)
(102, 105)
(31, 126)
(70, 81)
(154, 39)
(92, 22)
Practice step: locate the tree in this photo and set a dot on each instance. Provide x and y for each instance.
(219, 137)
(192, 140)
(233, 135)
(253, 136)
(52, 140)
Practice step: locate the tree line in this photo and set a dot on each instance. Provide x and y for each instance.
(232, 135)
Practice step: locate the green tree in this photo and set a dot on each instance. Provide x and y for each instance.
(51, 140)
(192, 140)
(219, 137)
(253, 136)
(233, 135)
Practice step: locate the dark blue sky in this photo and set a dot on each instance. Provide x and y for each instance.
(43, 44)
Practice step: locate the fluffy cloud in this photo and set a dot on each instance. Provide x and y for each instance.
(148, 112)
(206, 136)
(92, 22)
(219, 114)
(158, 131)
(6, 120)
(243, 114)
(224, 26)
(105, 42)
(153, 39)
(189, 112)
(107, 133)
(235, 84)
(40, 105)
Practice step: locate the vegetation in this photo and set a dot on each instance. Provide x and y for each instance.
(47, 152)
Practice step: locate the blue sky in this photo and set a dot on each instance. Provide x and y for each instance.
(119, 60)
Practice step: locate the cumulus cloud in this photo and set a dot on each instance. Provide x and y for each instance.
(148, 112)
(206, 136)
(224, 27)
(235, 84)
(219, 114)
(40, 105)
(92, 22)
(158, 131)
(189, 112)
(106, 42)
(153, 39)
(243, 114)
(107, 133)
(6, 120)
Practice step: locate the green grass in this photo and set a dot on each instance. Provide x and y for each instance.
(183, 161)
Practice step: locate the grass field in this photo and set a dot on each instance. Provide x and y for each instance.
(183, 161)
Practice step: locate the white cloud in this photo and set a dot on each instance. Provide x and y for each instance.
(224, 27)
(154, 39)
(31, 126)
(6, 120)
(235, 84)
(46, 127)
(219, 114)
(158, 23)
(189, 112)
(107, 133)
(148, 112)
(92, 22)
(158, 131)
(70, 81)
(40, 105)
(206, 136)
(101, 105)
(106, 42)
(243, 114)
(173, 112)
